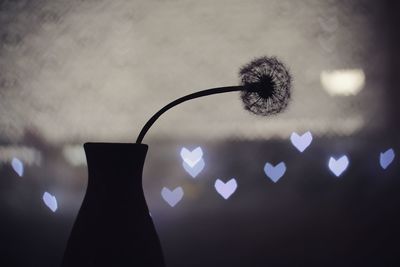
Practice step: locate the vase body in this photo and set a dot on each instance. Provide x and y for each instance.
(113, 226)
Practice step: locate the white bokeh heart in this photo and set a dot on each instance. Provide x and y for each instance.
(301, 142)
(226, 189)
(50, 201)
(386, 158)
(191, 157)
(17, 166)
(338, 166)
(172, 197)
(196, 169)
(274, 172)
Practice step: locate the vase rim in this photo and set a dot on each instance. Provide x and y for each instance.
(113, 144)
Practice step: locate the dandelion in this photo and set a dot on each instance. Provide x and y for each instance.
(267, 86)
(265, 89)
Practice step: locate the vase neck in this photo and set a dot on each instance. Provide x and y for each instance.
(115, 165)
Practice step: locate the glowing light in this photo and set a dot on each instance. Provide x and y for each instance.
(338, 166)
(172, 197)
(386, 158)
(191, 157)
(50, 201)
(226, 189)
(301, 142)
(74, 154)
(18, 166)
(196, 169)
(343, 82)
(275, 172)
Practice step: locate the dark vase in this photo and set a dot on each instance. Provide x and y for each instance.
(113, 226)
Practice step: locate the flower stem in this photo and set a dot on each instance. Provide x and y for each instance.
(202, 93)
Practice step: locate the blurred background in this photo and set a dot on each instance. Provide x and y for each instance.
(77, 71)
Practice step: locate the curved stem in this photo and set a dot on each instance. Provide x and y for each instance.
(206, 92)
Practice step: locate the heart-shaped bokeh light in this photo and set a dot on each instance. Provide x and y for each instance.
(338, 166)
(386, 158)
(17, 166)
(301, 142)
(172, 197)
(226, 189)
(274, 172)
(50, 201)
(191, 157)
(196, 169)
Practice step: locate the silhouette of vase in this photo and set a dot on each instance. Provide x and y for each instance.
(113, 226)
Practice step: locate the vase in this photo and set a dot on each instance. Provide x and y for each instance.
(113, 226)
